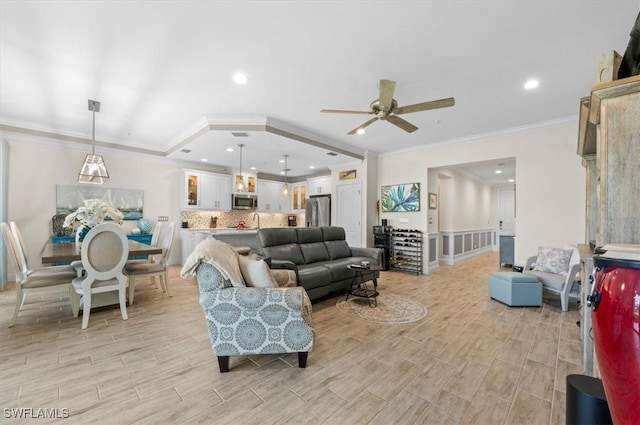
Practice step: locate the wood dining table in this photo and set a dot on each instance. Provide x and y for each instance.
(68, 252)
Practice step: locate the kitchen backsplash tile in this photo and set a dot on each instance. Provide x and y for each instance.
(202, 219)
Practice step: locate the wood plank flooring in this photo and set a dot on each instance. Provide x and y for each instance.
(471, 360)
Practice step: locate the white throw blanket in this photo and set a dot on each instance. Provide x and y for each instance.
(217, 253)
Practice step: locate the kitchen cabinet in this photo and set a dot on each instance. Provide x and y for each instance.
(270, 197)
(298, 197)
(206, 191)
(215, 192)
(319, 186)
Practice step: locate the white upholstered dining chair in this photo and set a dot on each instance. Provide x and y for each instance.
(104, 253)
(28, 279)
(158, 268)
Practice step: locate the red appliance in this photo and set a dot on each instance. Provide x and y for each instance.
(615, 301)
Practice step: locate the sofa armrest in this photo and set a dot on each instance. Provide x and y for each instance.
(531, 262)
(375, 253)
(284, 264)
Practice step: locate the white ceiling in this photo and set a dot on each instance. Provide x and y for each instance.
(161, 68)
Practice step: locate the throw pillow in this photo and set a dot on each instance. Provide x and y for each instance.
(553, 260)
(256, 273)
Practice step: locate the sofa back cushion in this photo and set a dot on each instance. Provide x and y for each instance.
(312, 245)
(280, 244)
(334, 240)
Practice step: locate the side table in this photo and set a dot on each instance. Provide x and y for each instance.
(358, 287)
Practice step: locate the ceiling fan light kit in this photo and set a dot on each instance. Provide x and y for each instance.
(386, 108)
(94, 170)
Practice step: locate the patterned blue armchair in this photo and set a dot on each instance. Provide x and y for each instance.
(247, 320)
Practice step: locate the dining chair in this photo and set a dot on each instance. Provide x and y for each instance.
(22, 252)
(155, 239)
(136, 270)
(30, 279)
(104, 253)
(77, 264)
(157, 231)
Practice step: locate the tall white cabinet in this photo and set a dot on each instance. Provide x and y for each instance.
(271, 198)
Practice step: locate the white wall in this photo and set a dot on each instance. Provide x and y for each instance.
(35, 169)
(467, 203)
(549, 176)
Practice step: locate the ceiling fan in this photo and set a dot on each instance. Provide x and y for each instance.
(386, 108)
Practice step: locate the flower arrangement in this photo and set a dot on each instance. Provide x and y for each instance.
(94, 212)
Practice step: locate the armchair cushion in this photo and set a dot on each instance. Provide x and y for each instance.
(553, 260)
(256, 273)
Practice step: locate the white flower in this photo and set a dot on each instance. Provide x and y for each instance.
(94, 212)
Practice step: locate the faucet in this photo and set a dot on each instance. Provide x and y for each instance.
(254, 218)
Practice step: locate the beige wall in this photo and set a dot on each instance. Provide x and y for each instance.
(549, 177)
(466, 203)
(35, 169)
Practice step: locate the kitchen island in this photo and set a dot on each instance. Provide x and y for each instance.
(233, 236)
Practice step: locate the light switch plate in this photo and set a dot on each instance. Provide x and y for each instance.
(163, 218)
(403, 220)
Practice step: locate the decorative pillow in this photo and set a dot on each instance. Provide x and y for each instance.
(553, 260)
(256, 273)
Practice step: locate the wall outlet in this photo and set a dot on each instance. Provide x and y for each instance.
(163, 218)
(403, 220)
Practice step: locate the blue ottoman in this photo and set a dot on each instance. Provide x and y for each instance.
(515, 289)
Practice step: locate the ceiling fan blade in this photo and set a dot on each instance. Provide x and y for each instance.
(403, 124)
(387, 87)
(343, 111)
(425, 106)
(366, 124)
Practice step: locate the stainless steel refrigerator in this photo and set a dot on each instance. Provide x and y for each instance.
(318, 211)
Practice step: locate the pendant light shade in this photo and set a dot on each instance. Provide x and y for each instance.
(94, 170)
(285, 187)
(240, 182)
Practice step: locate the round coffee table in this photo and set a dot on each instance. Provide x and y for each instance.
(358, 287)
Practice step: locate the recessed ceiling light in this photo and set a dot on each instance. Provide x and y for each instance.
(282, 172)
(498, 171)
(312, 166)
(282, 160)
(253, 168)
(204, 160)
(511, 180)
(240, 78)
(360, 131)
(531, 84)
(229, 150)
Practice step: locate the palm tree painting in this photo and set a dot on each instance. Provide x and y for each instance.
(401, 197)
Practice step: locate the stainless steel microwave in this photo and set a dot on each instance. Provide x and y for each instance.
(244, 201)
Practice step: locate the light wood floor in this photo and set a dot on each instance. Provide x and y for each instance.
(470, 360)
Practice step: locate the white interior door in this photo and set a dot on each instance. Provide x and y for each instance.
(349, 212)
(506, 211)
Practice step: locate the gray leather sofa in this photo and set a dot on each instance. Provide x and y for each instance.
(318, 255)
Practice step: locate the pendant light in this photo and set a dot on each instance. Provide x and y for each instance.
(94, 170)
(285, 188)
(240, 184)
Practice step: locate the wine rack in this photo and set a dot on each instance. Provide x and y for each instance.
(407, 250)
(382, 240)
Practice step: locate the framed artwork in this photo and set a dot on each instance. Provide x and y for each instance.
(401, 198)
(347, 175)
(128, 201)
(433, 201)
